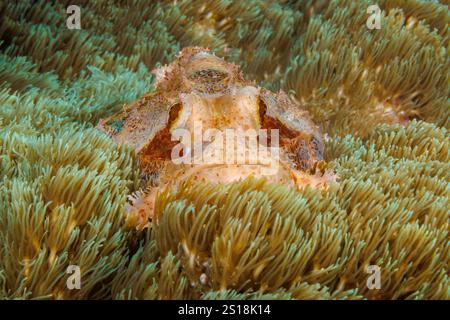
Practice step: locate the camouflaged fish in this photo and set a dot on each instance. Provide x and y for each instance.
(202, 90)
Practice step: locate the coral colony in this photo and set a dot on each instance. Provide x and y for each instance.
(224, 150)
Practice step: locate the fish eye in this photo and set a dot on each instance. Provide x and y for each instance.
(205, 66)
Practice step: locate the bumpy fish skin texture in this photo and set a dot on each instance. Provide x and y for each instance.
(199, 87)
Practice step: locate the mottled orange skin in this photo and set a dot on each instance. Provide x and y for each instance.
(200, 87)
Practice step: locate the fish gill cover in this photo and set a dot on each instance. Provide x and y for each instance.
(376, 101)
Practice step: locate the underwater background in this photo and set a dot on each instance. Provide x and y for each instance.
(380, 97)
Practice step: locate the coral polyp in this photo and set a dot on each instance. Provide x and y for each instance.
(342, 126)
